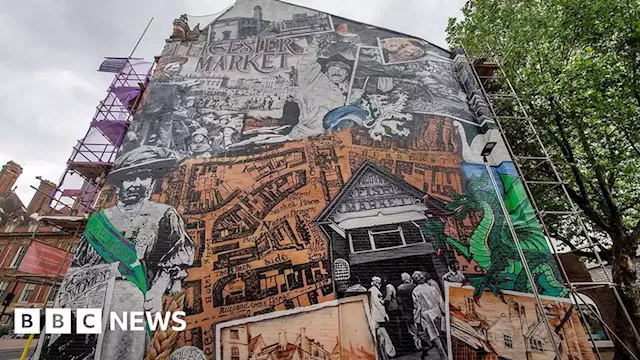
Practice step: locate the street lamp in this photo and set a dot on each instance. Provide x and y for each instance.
(488, 148)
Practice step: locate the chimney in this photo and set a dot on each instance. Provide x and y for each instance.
(305, 344)
(180, 27)
(41, 200)
(8, 176)
(282, 339)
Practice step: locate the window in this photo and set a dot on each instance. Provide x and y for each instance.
(73, 248)
(412, 234)
(10, 227)
(359, 240)
(508, 341)
(235, 334)
(384, 237)
(235, 352)
(226, 35)
(3, 286)
(18, 258)
(26, 292)
(592, 317)
(387, 238)
(52, 293)
(33, 227)
(536, 344)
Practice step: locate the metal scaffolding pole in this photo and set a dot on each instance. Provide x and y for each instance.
(525, 264)
(557, 182)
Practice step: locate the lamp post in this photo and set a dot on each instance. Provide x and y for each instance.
(486, 151)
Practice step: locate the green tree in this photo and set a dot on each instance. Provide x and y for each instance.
(576, 66)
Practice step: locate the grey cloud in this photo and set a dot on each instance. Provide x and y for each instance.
(51, 87)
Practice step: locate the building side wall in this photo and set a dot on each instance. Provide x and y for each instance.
(16, 281)
(239, 196)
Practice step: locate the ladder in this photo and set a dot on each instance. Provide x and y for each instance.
(509, 113)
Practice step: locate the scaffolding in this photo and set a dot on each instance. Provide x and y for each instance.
(94, 155)
(531, 156)
(75, 196)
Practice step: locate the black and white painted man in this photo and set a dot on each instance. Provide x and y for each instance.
(290, 113)
(379, 317)
(147, 238)
(338, 69)
(165, 94)
(324, 83)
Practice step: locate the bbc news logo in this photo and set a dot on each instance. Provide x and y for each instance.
(89, 321)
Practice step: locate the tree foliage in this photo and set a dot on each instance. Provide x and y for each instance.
(576, 66)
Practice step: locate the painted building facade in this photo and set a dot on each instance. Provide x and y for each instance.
(285, 158)
(513, 328)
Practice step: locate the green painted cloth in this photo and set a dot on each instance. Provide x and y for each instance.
(113, 246)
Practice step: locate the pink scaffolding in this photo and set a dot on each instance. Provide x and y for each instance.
(94, 154)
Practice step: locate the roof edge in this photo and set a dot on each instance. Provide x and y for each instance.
(226, 10)
(379, 27)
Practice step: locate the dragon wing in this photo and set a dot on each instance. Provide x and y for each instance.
(523, 216)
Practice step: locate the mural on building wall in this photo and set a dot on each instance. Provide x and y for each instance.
(490, 245)
(285, 157)
(334, 330)
(512, 327)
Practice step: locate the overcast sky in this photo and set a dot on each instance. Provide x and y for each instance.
(52, 49)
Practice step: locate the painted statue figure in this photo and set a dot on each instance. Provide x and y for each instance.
(147, 238)
(290, 113)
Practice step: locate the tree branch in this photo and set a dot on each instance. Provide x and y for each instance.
(629, 139)
(604, 189)
(589, 211)
(635, 234)
(565, 146)
(604, 253)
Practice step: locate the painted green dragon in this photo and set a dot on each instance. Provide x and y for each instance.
(491, 245)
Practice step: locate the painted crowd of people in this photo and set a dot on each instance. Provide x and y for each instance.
(411, 317)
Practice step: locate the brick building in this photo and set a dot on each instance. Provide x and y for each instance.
(17, 231)
(595, 302)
